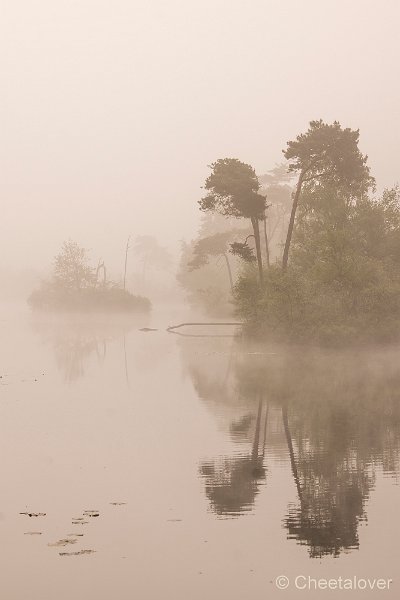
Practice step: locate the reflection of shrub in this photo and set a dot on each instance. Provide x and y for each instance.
(51, 297)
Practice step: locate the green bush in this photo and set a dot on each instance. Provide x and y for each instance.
(343, 282)
(104, 299)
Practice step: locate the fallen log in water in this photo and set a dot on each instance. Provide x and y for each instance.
(172, 328)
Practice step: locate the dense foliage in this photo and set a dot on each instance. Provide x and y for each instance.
(326, 155)
(343, 280)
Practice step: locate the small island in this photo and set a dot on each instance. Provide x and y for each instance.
(77, 286)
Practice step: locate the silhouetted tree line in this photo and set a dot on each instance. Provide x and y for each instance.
(336, 277)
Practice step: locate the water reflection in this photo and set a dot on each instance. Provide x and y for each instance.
(76, 341)
(339, 418)
(333, 484)
(232, 483)
(344, 418)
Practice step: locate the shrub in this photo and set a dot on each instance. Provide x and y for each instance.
(51, 297)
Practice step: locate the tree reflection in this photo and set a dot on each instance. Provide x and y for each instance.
(71, 353)
(232, 483)
(76, 341)
(333, 484)
(340, 417)
(344, 427)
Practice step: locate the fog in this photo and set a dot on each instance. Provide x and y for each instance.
(111, 111)
(199, 349)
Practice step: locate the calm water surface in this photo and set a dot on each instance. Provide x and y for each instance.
(214, 465)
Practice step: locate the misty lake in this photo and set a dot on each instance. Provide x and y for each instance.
(191, 466)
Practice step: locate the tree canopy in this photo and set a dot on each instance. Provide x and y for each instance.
(233, 191)
(217, 244)
(71, 267)
(329, 153)
(326, 155)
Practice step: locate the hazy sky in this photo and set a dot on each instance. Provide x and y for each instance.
(112, 109)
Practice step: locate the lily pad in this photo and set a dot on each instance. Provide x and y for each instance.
(91, 513)
(64, 542)
(78, 553)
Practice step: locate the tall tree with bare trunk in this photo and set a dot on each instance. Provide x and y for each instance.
(233, 191)
(326, 154)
